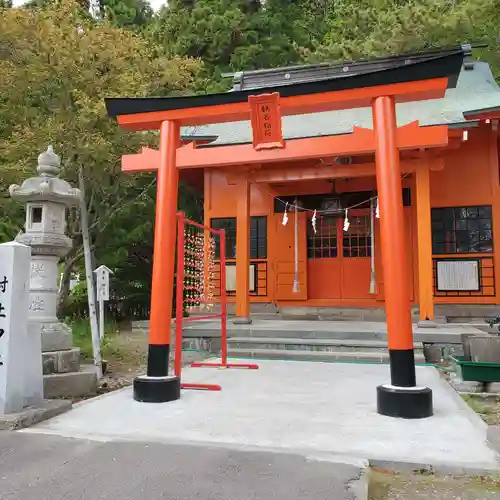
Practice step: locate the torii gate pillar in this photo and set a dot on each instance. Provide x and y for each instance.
(401, 398)
(157, 386)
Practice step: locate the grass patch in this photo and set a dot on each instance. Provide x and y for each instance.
(487, 408)
(82, 338)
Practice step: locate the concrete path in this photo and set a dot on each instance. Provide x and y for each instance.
(316, 409)
(34, 467)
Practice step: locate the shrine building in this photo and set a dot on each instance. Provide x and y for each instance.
(457, 182)
(449, 192)
(363, 184)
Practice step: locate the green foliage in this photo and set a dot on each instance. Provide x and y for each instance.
(54, 81)
(233, 35)
(230, 35)
(54, 78)
(119, 13)
(54, 4)
(367, 28)
(127, 13)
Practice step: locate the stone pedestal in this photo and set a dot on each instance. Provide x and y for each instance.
(47, 198)
(43, 300)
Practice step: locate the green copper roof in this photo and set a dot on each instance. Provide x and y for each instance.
(476, 89)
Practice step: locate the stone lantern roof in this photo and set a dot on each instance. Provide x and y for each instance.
(47, 197)
(47, 186)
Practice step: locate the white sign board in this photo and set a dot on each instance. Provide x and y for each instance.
(14, 300)
(458, 276)
(102, 273)
(231, 278)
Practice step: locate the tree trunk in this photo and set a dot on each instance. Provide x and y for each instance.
(69, 263)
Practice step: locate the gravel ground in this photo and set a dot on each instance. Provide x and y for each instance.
(386, 486)
(128, 360)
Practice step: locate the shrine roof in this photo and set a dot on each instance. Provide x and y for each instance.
(476, 90)
(394, 70)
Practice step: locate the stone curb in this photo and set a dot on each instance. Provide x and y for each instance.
(33, 415)
(473, 417)
(360, 486)
(483, 395)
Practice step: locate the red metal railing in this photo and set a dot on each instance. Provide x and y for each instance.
(223, 315)
(182, 222)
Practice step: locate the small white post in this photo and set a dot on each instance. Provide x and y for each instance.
(96, 344)
(102, 273)
(21, 381)
(101, 318)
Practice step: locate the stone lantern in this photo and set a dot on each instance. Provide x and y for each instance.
(47, 199)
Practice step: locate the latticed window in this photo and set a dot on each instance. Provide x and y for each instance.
(323, 243)
(258, 236)
(462, 230)
(229, 226)
(330, 240)
(357, 240)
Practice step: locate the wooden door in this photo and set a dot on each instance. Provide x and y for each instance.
(284, 260)
(356, 256)
(324, 262)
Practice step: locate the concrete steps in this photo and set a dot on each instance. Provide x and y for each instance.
(296, 355)
(304, 349)
(445, 313)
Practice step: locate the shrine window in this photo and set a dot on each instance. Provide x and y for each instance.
(258, 236)
(229, 226)
(357, 240)
(322, 244)
(462, 230)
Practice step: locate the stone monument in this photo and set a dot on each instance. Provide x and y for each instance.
(47, 198)
(21, 383)
(17, 390)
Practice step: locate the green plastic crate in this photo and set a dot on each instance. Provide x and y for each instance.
(477, 372)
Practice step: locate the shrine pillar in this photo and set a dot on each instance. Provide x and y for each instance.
(401, 398)
(158, 386)
(424, 235)
(243, 252)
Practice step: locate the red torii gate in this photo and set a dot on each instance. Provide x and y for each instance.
(426, 77)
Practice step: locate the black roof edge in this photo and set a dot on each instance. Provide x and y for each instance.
(465, 47)
(204, 138)
(442, 64)
(468, 124)
(481, 110)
